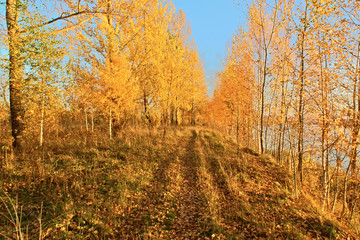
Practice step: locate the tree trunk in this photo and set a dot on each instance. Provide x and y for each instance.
(326, 122)
(146, 109)
(263, 102)
(355, 132)
(338, 165)
(176, 116)
(323, 169)
(343, 212)
(183, 117)
(301, 97)
(110, 123)
(238, 129)
(193, 112)
(356, 115)
(324, 131)
(172, 116)
(283, 117)
(15, 72)
(42, 122)
(292, 160)
(295, 177)
(92, 120)
(86, 120)
(258, 122)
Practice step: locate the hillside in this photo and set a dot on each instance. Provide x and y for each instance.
(188, 185)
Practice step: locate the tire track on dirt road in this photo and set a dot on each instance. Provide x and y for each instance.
(191, 203)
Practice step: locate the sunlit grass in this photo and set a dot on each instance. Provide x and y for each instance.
(132, 187)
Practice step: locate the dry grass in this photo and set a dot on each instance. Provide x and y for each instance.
(86, 183)
(136, 186)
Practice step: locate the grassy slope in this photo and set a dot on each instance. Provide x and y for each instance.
(141, 186)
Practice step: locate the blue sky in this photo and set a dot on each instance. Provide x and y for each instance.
(213, 22)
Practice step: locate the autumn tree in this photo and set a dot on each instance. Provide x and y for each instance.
(44, 77)
(181, 76)
(146, 53)
(305, 59)
(16, 11)
(282, 70)
(103, 45)
(264, 25)
(348, 64)
(149, 65)
(234, 91)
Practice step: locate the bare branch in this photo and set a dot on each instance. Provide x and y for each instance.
(61, 17)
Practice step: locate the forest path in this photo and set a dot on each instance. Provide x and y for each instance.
(189, 184)
(192, 207)
(174, 206)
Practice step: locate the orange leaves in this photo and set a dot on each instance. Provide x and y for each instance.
(117, 89)
(233, 99)
(139, 56)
